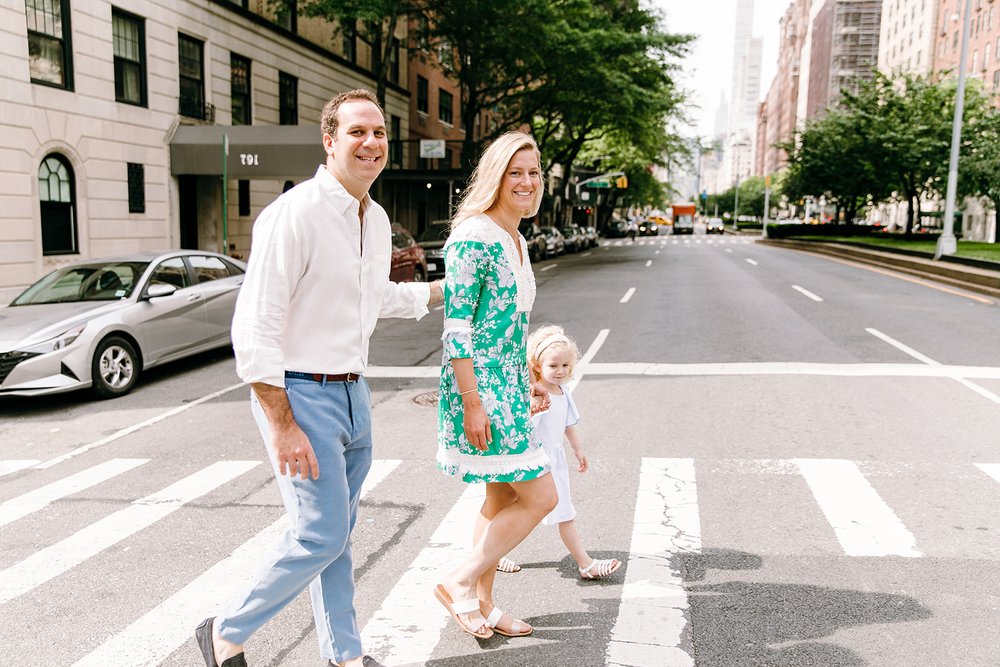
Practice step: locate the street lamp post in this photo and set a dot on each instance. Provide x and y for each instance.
(736, 205)
(946, 243)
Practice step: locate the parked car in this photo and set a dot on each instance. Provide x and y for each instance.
(409, 263)
(617, 230)
(101, 323)
(555, 243)
(714, 226)
(432, 241)
(572, 238)
(536, 241)
(590, 233)
(648, 228)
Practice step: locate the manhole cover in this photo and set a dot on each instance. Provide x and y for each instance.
(426, 399)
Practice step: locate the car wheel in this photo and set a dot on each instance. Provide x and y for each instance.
(418, 275)
(115, 367)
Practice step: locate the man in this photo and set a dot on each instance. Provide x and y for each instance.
(316, 284)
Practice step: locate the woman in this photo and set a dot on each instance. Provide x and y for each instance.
(485, 433)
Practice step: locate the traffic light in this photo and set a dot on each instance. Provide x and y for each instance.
(622, 182)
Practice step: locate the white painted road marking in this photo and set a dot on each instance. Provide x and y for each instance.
(750, 261)
(729, 249)
(651, 623)
(863, 523)
(991, 469)
(809, 294)
(13, 465)
(25, 504)
(982, 391)
(407, 627)
(550, 266)
(581, 366)
(52, 561)
(151, 639)
(649, 263)
(136, 427)
(628, 295)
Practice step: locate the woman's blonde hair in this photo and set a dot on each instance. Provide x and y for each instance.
(548, 337)
(484, 187)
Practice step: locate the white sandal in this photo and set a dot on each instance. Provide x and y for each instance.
(517, 628)
(604, 568)
(508, 566)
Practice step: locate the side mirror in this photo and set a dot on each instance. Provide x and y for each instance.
(160, 289)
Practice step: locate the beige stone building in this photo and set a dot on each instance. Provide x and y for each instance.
(114, 117)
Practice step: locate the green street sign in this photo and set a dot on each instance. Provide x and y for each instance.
(598, 184)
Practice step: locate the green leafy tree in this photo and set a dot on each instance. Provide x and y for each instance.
(979, 162)
(376, 23)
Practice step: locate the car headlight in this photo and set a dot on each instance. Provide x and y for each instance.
(59, 342)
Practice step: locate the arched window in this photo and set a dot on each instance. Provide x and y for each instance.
(57, 195)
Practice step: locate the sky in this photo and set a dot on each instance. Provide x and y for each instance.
(708, 70)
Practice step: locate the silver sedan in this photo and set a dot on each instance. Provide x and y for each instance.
(100, 323)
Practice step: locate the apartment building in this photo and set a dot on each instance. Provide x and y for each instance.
(907, 36)
(116, 116)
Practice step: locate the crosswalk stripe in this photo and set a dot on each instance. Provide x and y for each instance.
(13, 465)
(651, 619)
(23, 505)
(407, 627)
(52, 561)
(151, 639)
(991, 469)
(864, 524)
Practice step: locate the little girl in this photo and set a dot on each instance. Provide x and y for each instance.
(551, 357)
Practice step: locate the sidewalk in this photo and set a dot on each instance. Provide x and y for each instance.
(983, 278)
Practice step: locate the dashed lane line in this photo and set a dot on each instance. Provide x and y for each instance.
(809, 294)
(628, 295)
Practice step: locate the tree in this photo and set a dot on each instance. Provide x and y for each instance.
(374, 22)
(979, 163)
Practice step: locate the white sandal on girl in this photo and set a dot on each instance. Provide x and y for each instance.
(517, 628)
(600, 568)
(508, 566)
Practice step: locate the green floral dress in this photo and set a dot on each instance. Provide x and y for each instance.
(488, 294)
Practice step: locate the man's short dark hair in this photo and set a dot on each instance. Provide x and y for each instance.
(328, 120)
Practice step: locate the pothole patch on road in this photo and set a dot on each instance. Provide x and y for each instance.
(427, 399)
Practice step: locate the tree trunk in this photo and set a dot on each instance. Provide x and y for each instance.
(996, 220)
(908, 231)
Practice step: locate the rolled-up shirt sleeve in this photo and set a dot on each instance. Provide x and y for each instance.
(405, 300)
(466, 267)
(275, 266)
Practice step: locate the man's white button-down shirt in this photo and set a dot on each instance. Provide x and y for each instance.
(318, 280)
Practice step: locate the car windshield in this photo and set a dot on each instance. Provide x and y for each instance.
(89, 282)
(436, 231)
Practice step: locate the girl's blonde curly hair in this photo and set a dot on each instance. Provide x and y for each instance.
(547, 337)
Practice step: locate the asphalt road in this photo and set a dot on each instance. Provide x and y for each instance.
(795, 457)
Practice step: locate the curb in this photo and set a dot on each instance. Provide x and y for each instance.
(972, 278)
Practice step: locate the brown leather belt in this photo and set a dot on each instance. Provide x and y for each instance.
(323, 377)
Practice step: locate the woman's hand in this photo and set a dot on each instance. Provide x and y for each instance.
(476, 424)
(538, 398)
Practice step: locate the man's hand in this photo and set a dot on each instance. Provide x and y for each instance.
(437, 292)
(294, 452)
(292, 449)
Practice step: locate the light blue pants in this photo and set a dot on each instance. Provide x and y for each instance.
(316, 549)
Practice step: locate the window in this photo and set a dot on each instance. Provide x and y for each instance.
(288, 99)
(446, 55)
(50, 59)
(243, 188)
(395, 144)
(996, 79)
(350, 43)
(444, 106)
(57, 196)
(191, 69)
(136, 188)
(206, 269)
(287, 15)
(239, 86)
(422, 91)
(394, 61)
(171, 271)
(129, 37)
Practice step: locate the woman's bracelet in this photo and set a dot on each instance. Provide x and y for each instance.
(468, 391)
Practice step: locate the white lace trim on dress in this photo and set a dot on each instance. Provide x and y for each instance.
(453, 460)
